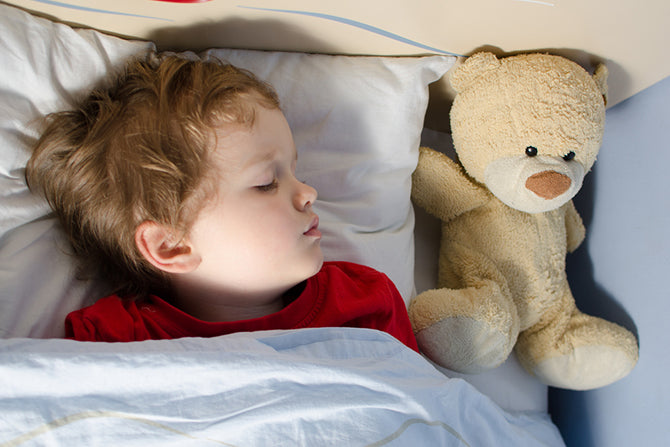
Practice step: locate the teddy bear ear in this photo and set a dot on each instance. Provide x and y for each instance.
(473, 67)
(600, 77)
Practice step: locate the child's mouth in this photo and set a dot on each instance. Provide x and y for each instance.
(313, 230)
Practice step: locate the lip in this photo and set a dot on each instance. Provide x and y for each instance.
(313, 230)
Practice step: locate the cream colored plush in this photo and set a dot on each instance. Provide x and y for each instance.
(526, 130)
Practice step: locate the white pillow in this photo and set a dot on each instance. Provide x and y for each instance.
(356, 120)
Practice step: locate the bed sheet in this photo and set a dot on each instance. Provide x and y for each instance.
(326, 386)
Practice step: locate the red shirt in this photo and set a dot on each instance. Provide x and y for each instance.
(341, 294)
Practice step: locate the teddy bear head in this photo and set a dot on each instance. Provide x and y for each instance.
(528, 127)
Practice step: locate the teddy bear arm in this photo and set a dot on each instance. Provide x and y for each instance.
(575, 230)
(440, 186)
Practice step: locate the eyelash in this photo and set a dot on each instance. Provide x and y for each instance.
(269, 187)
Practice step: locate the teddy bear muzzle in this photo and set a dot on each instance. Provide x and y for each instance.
(548, 184)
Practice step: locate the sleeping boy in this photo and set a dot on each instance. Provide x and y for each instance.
(177, 184)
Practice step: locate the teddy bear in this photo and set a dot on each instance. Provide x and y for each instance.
(526, 129)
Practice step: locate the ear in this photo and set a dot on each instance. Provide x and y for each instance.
(600, 77)
(473, 67)
(166, 251)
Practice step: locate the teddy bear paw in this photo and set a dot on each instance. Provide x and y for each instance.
(464, 344)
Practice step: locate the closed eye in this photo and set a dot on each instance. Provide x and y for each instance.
(269, 187)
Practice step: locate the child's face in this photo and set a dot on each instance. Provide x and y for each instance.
(258, 234)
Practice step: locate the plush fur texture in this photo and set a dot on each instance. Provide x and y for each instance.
(526, 130)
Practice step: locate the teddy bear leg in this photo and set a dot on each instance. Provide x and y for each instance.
(569, 349)
(470, 329)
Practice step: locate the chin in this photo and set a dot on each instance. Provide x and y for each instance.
(316, 266)
(307, 265)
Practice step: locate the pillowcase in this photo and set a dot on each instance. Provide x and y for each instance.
(356, 121)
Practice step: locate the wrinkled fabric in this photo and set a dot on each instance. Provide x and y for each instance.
(322, 386)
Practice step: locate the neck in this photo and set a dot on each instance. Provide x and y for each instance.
(217, 304)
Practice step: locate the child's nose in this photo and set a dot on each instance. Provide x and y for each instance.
(305, 195)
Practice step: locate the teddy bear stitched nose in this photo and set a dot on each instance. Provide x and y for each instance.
(548, 184)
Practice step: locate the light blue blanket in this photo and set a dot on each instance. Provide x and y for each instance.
(311, 387)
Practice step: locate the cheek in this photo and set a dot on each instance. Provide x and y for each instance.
(249, 229)
(268, 224)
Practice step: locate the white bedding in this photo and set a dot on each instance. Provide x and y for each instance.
(312, 387)
(357, 123)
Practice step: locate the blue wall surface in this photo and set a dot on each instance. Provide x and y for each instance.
(620, 273)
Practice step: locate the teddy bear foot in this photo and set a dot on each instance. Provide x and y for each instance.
(466, 330)
(464, 345)
(585, 368)
(594, 353)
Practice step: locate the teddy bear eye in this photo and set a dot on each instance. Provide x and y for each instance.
(569, 156)
(531, 151)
